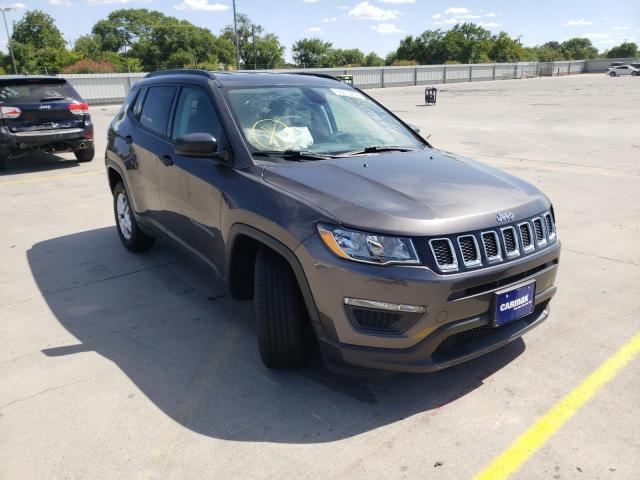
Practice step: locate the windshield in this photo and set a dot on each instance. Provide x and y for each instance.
(35, 90)
(322, 120)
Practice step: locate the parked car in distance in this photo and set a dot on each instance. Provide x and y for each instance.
(342, 224)
(623, 70)
(616, 64)
(43, 113)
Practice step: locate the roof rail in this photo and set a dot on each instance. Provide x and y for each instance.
(180, 71)
(315, 74)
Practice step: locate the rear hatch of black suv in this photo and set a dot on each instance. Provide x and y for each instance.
(33, 104)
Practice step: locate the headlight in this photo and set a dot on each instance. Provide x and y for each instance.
(368, 247)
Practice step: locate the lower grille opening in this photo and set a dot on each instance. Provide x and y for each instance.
(455, 345)
(382, 321)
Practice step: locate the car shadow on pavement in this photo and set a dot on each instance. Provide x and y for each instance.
(37, 161)
(191, 350)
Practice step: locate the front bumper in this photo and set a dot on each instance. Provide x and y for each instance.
(456, 326)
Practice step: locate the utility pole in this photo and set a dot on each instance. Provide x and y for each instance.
(235, 30)
(4, 16)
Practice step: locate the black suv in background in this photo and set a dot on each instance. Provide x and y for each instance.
(335, 216)
(43, 113)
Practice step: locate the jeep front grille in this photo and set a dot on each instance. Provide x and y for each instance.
(445, 257)
(470, 251)
(477, 249)
(510, 242)
(491, 245)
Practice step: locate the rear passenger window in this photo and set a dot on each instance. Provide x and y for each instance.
(157, 108)
(195, 114)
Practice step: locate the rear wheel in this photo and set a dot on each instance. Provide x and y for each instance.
(635, 74)
(130, 234)
(279, 310)
(85, 154)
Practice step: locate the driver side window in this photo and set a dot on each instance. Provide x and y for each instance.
(195, 114)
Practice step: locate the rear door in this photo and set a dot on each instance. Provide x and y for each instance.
(148, 141)
(31, 104)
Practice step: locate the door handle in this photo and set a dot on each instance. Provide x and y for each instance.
(166, 159)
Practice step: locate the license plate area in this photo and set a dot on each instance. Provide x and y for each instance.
(513, 303)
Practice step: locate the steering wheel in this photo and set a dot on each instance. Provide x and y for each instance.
(265, 131)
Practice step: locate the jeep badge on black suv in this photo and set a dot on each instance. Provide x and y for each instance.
(43, 113)
(342, 224)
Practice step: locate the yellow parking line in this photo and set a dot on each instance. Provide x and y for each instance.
(534, 438)
(50, 177)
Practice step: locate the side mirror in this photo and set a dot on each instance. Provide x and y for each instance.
(203, 145)
(415, 128)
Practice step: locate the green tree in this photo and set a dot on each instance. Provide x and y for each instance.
(624, 50)
(156, 40)
(255, 48)
(38, 29)
(340, 58)
(89, 46)
(506, 49)
(38, 44)
(467, 43)
(578, 49)
(311, 52)
(372, 59)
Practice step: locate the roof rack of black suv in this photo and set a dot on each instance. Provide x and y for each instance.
(179, 71)
(316, 74)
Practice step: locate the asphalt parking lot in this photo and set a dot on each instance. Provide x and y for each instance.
(116, 365)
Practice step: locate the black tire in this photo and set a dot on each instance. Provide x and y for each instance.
(635, 74)
(612, 74)
(3, 163)
(133, 238)
(280, 312)
(85, 154)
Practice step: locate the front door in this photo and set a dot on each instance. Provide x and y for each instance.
(190, 188)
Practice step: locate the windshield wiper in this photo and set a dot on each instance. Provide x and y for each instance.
(374, 149)
(293, 154)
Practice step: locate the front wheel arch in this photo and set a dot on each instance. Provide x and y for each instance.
(244, 242)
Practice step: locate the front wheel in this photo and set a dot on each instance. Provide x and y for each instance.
(130, 234)
(612, 74)
(635, 74)
(85, 154)
(279, 310)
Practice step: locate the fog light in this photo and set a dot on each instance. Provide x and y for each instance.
(395, 307)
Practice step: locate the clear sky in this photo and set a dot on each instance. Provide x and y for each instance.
(373, 25)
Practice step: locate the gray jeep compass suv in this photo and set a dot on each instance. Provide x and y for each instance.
(340, 221)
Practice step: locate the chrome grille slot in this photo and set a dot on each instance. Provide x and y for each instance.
(510, 242)
(551, 231)
(443, 253)
(491, 246)
(526, 236)
(538, 228)
(470, 251)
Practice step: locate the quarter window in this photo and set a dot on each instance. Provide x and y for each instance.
(195, 114)
(157, 108)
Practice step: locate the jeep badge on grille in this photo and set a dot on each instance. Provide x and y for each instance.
(505, 216)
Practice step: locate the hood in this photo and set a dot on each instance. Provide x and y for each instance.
(414, 193)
